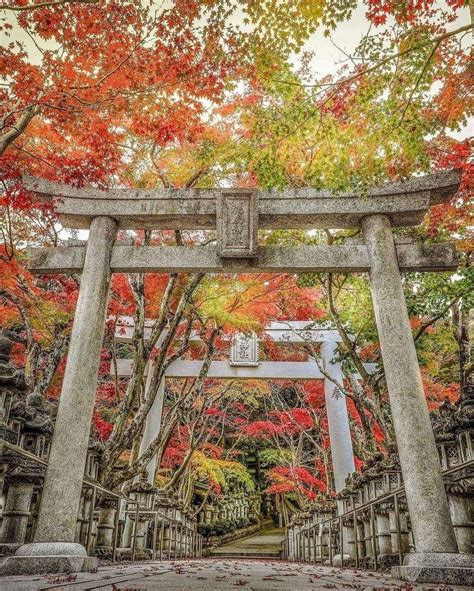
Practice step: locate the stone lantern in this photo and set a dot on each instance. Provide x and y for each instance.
(95, 450)
(24, 475)
(12, 384)
(164, 504)
(453, 426)
(143, 492)
(465, 423)
(94, 454)
(25, 421)
(23, 478)
(444, 427)
(36, 427)
(105, 527)
(346, 499)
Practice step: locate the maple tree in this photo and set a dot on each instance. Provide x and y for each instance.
(108, 93)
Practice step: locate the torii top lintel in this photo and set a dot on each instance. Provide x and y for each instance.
(405, 203)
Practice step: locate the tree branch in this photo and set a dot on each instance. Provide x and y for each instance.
(48, 4)
(18, 128)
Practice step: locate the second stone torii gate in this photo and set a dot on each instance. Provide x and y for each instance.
(238, 214)
(244, 364)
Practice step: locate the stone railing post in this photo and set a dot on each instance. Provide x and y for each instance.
(350, 525)
(17, 511)
(384, 538)
(426, 496)
(462, 512)
(105, 527)
(404, 546)
(82, 518)
(366, 539)
(56, 527)
(324, 535)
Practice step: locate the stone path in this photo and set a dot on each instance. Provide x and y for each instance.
(265, 544)
(217, 575)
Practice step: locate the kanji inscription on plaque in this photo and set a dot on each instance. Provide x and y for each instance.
(237, 224)
(244, 350)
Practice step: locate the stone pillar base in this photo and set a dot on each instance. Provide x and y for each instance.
(44, 558)
(140, 554)
(103, 552)
(9, 549)
(447, 568)
(336, 560)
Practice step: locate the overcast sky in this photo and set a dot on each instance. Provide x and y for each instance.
(348, 34)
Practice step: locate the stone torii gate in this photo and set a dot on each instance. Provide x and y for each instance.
(244, 364)
(238, 214)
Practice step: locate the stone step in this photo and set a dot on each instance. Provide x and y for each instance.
(247, 555)
(264, 545)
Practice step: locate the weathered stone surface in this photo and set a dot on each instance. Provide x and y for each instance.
(205, 259)
(425, 492)
(42, 565)
(266, 370)
(63, 483)
(237, 224)
(219, 575)
(447, 568)
(439, 559)
(52, 557)
(436, 575)
(405, 203)
(16, 512)
(52, 549)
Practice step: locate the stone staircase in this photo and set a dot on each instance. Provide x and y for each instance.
(265, 544)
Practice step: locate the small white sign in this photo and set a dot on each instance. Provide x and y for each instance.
(244, 350)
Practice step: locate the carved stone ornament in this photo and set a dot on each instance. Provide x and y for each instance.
(34, 414)
(237, 224)
(461, 482)
(244, 352)
(10, 377)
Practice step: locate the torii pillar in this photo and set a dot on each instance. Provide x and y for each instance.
(436, 546)
(338, 418)
(152, 425)
(53, 549)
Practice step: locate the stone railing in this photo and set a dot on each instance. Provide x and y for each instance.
(373, 527)
(237, 506)
(110, 525)
(375, 534)
(223, 519)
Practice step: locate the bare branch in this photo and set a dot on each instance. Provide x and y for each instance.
(25, 7)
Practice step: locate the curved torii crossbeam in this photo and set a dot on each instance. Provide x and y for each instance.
(237, 215)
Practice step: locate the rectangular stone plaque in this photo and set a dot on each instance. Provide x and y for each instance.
(244, 350)
(237, 224)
